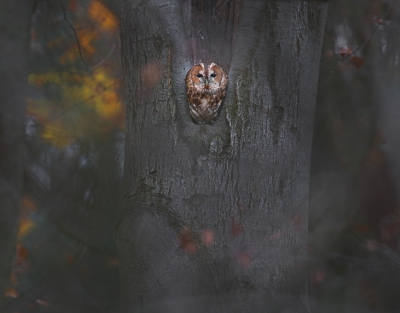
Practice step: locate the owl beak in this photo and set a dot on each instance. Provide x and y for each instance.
(206, 81)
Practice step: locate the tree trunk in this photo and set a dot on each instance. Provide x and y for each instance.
(15, 21)
(215, 216)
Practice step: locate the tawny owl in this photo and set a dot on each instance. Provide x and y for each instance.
(206, 89)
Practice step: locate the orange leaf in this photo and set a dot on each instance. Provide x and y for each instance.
(22, 253)
(318, 276)
(11, 293)
(357, 61)
(25, 226)
(236, 228)
(102, 16)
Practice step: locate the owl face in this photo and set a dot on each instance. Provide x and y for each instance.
(215, 76)
(209, 78)
(199, 76)
(206, 89)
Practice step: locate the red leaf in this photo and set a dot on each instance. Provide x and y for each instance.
(357, 61)
(244, 258)
(208, 237)
(186, 241)
(22, 253)
(236, 228)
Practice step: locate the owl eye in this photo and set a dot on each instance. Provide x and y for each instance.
(199, 75)
(213, 75)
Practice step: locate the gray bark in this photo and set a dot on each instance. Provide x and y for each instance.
(245, 178)
(15, 20)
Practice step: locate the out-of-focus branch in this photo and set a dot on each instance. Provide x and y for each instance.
(76, 36)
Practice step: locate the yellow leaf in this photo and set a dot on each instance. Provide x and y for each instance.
(56, 134)
(102, 16)
(25, 226)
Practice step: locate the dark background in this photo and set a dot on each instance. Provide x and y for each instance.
(66, 259)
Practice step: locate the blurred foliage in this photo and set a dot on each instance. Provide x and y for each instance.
(354, 209)
(66, 256)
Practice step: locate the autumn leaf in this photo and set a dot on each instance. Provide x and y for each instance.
(208, 237)
(22, 254)
(83, 98)
(186, 241)
(57, 134)
(357, 61)
(25, 226)
(244, 257)
(106, 20)
(236, 228)
(11, 293)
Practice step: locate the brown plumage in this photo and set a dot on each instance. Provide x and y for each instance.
(206, 89)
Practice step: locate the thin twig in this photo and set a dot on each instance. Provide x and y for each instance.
(76, 37)
(365, 42)
(86, 26)
(105, 59)
(49, 24)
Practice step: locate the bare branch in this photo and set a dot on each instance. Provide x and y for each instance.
(347, 56)
(76, 37)
(105, 59)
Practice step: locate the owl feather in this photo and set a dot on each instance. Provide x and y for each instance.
(206, 90)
